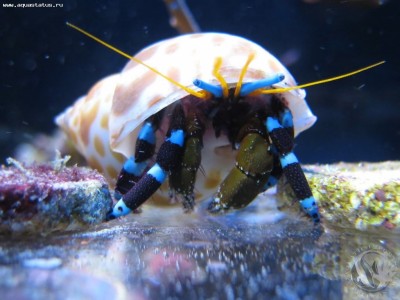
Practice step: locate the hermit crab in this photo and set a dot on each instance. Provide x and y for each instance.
(199, 116)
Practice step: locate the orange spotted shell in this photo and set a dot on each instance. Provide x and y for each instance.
(104, 124)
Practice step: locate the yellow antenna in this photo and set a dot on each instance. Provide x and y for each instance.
(242, 73)
(218, 62)
(220, 78)
(186, 89)
(291, 88)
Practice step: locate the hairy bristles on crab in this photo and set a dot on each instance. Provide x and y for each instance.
(213, 115)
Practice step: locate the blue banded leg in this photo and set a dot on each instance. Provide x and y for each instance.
(134, 166)
(167, 160)
(283, 142)
(286, 119)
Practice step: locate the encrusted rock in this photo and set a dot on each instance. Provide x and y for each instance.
(47, 197)
(364, 196)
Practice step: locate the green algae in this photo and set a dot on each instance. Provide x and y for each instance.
(364, 196)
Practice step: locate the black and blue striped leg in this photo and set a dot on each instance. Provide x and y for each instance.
(134, 166)
(283, 141)
(167, 160)
(286, 119)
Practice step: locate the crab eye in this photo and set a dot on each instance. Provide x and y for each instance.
(246, 88)
(211, 88)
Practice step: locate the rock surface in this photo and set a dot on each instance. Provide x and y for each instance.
(41, 198)
(257, 252)
(363, 196)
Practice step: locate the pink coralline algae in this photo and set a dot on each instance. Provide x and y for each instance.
(49, 197)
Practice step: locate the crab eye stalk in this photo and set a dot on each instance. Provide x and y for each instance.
(250, 87)
(211, 88)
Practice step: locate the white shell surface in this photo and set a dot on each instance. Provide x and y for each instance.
(105, 123)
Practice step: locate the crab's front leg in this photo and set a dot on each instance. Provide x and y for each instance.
(167, 160)
(283, 142)
(182, 181)
(246, 179)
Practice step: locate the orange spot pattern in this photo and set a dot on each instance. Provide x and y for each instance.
(104, 122)
(87, 120)
(112, 173)
(95, 164)
(119, 157)
(98, 145)
(126, 96)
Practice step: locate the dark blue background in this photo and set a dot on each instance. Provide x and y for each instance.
(46, 65)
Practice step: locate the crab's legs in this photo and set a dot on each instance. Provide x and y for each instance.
(168, 159)
(283, 142)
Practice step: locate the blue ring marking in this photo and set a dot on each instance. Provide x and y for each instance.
(288, 159)
(147, 133)
(158, 173)
(133, 167)
(307, 203)
(177, 137)
(120, 209)
(272, 124)
(250, 87)
(216, 90)
(308, 206)
(286, 118)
